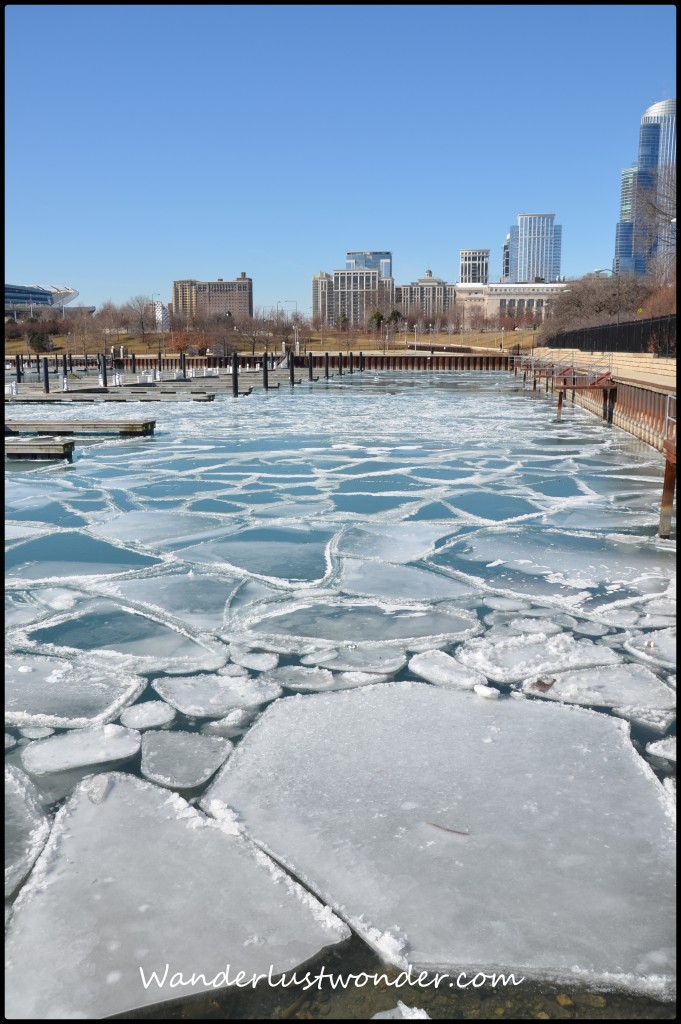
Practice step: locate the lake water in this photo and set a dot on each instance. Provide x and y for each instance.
(304, 583)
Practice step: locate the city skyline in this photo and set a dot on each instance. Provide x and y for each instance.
(163, 154)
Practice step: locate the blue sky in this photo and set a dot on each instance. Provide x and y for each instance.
(150, 143)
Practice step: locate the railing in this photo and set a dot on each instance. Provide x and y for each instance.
(656, 335)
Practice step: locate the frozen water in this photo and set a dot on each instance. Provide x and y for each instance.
(81, 748)
(149, 714)
(612, 686)
(443, 670)
(464, 834)
(312, 530)
(510, 660)
(182, 760)
(115, 911)
(36, 732)
(10, 741)
(26, 827)
(212, 696)
(67, 693)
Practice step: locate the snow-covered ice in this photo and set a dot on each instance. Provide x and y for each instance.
(442, 669)
(511, 659)
(115, 896)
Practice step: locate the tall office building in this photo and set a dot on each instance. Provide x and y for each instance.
(645, 233)
(474, 266)
(532, 249)
(381, 261)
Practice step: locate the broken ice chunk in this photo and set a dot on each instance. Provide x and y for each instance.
(604, 686)
(182, 760)
(233, 724)
(259, 661)
(81, 748)
(66, 693)
(212, 696)
(658, 646)
(150, 714)
(664, 749)
(514, 658)
(443, 670)
(26, 827)
(402, 1012)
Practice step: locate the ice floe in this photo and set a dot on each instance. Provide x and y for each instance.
(26, 827)
(658, 646)
(156, 936)
(442, 669)
(182, 760)
(664, 750)
(81, 748)
(212, 696)
(67, 693)
(622, 685)
(149, 714)
(452, 832)
(511, 659)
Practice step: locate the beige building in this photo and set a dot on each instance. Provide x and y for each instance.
(205, 299)
(428, 296)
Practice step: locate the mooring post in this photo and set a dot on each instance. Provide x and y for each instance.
(64, 371)
(46, 377)
(668, 494)
(291, 369)
(103, 369)
(309, 366)
(17, 364)
(70, 363)
(350, 362)
(361, 362)
(326, 365)
(534, 382)
(560, 404)
(134, 364)
(56, 363)
(235, 375)
(340, 364)
(612, 398)
(605, 404)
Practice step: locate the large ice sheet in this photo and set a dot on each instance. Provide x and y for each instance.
(67, 693)
(459, 833)
(71, 554)
(115, 909)
(194, 598)
(182, 760)
(26, 827)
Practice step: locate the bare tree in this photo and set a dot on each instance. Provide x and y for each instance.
(142, 315)
(595, 300)
(655, 220)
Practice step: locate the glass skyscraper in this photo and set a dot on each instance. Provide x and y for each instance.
(381, 261)
(645, 231)
(533, 249)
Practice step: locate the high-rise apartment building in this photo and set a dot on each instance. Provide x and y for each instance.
(381, 261)
(645, 233)
(533, 249)
(474, 266)
(193, 299)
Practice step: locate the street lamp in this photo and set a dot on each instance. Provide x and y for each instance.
(415, 330)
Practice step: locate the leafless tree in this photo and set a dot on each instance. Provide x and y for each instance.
(142, 315)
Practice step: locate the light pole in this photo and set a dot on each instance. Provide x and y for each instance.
(615, 274)
(415, 330)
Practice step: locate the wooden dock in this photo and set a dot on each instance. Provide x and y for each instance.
(119, 428)
(38, 448)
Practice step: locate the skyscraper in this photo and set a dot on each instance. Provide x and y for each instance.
(645, 234)
(532, 249)
(474, 266)
(381, 261)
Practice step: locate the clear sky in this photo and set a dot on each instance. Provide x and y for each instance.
(150, 143)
